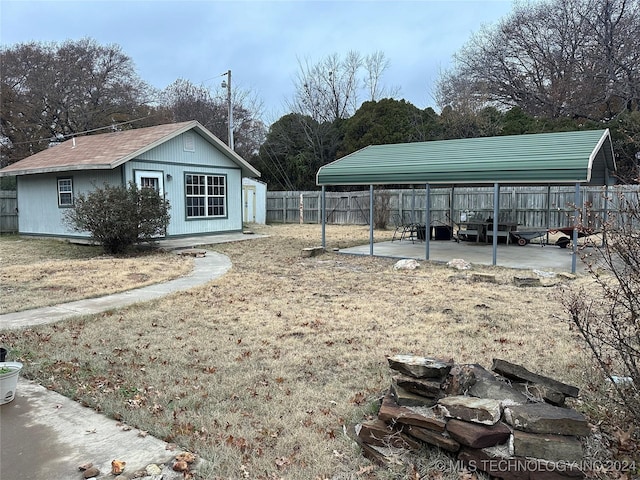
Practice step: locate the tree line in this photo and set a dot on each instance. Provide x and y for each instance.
(551, 65)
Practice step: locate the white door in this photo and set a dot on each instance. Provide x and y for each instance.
(249, 200)
(151, 179)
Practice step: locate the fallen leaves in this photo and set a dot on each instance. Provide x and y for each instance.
(359, 398)
(366, 470)
(624, 438)
(117, 467)
(237, 442)
(282, 462)
(181, 466)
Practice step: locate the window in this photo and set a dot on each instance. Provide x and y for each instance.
(65, 192)
(150, 182)
(150, 179)
(206, 195)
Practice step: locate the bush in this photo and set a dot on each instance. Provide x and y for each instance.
(381, 210)
(118, 217)
(608, 318)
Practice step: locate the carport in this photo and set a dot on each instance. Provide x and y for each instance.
(565, 158)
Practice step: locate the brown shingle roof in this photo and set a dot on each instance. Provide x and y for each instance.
(109, 150)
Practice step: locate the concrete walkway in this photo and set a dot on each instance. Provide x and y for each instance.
(207, 268)
(44, 435)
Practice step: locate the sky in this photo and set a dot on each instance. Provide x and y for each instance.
(262, 42)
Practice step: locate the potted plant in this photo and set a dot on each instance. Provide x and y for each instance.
(9, 372)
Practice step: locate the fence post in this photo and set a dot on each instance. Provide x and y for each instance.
(371, 200)
(427, 220)
(284, 208)
(323, 207)
(301, 209)
(575, 228)
(451, 209)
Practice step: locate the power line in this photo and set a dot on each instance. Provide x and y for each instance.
(69, 135)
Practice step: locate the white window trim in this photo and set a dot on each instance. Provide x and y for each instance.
(140, 174)
(206, 196)
(65, 192)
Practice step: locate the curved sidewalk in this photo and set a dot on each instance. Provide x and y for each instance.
(207, 268)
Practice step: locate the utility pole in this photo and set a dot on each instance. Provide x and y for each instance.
(227, 84)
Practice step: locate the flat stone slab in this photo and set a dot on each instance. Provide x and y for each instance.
(543, 470)
(382, 456)
(376, 432)
(459, 380)
(476, 435)
(192, 252)
(497, 465)
(486, 385)
(545, 418)
(553, 448)
(519, 373)
(482, 277)
(471, 409)
(312, 252)
(527, 282)
(494, 461)
(424, 417)
(406, 398)
(419, 386)
(420, 367)
(440, 440)
(541, 393)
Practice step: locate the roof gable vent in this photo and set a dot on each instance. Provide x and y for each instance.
(189, 142)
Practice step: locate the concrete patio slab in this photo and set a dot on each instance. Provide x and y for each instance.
(532, 256)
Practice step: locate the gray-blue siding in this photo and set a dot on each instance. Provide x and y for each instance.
(39, 213)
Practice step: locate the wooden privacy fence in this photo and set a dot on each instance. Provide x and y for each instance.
(8, 211)
(529, 207)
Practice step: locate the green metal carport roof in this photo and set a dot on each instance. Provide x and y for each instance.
(561, 158)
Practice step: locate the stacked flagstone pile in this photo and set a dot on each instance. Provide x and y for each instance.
(510, 423)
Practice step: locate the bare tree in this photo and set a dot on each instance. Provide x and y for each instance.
(608, 316)
(53, 90)
(186, 101)
(327, 93)
(328, 90)
(616, 28)
(375, 65)
(557, 58)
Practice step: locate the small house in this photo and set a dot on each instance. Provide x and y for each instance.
(193, 169)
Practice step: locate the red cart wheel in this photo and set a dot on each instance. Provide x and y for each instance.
(522, 241)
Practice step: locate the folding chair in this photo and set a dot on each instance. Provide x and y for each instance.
(406, 228)
(400, 227)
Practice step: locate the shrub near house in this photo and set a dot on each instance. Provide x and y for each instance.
(118, 217)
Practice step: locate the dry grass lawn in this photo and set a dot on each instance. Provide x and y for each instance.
(37, 273)
(263, 370)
